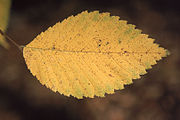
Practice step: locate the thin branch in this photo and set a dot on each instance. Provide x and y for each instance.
(11, 40)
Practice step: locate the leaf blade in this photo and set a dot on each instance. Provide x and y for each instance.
(91, 54)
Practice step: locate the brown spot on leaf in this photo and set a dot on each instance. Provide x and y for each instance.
(107, 43)
(110, 75)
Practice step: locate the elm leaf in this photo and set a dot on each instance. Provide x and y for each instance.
(91, 54)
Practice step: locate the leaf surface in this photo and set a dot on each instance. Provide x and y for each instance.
(91, 54)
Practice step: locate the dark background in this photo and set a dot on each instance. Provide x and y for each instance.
(153, 97)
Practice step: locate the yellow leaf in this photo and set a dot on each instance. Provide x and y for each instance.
(91, 54)
(4, 15)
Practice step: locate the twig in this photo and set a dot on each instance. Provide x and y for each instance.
(11, 40)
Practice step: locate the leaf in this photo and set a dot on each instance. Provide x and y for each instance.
(4, 15)
(91, 54)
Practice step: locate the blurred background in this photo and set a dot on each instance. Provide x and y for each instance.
(155, 96)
